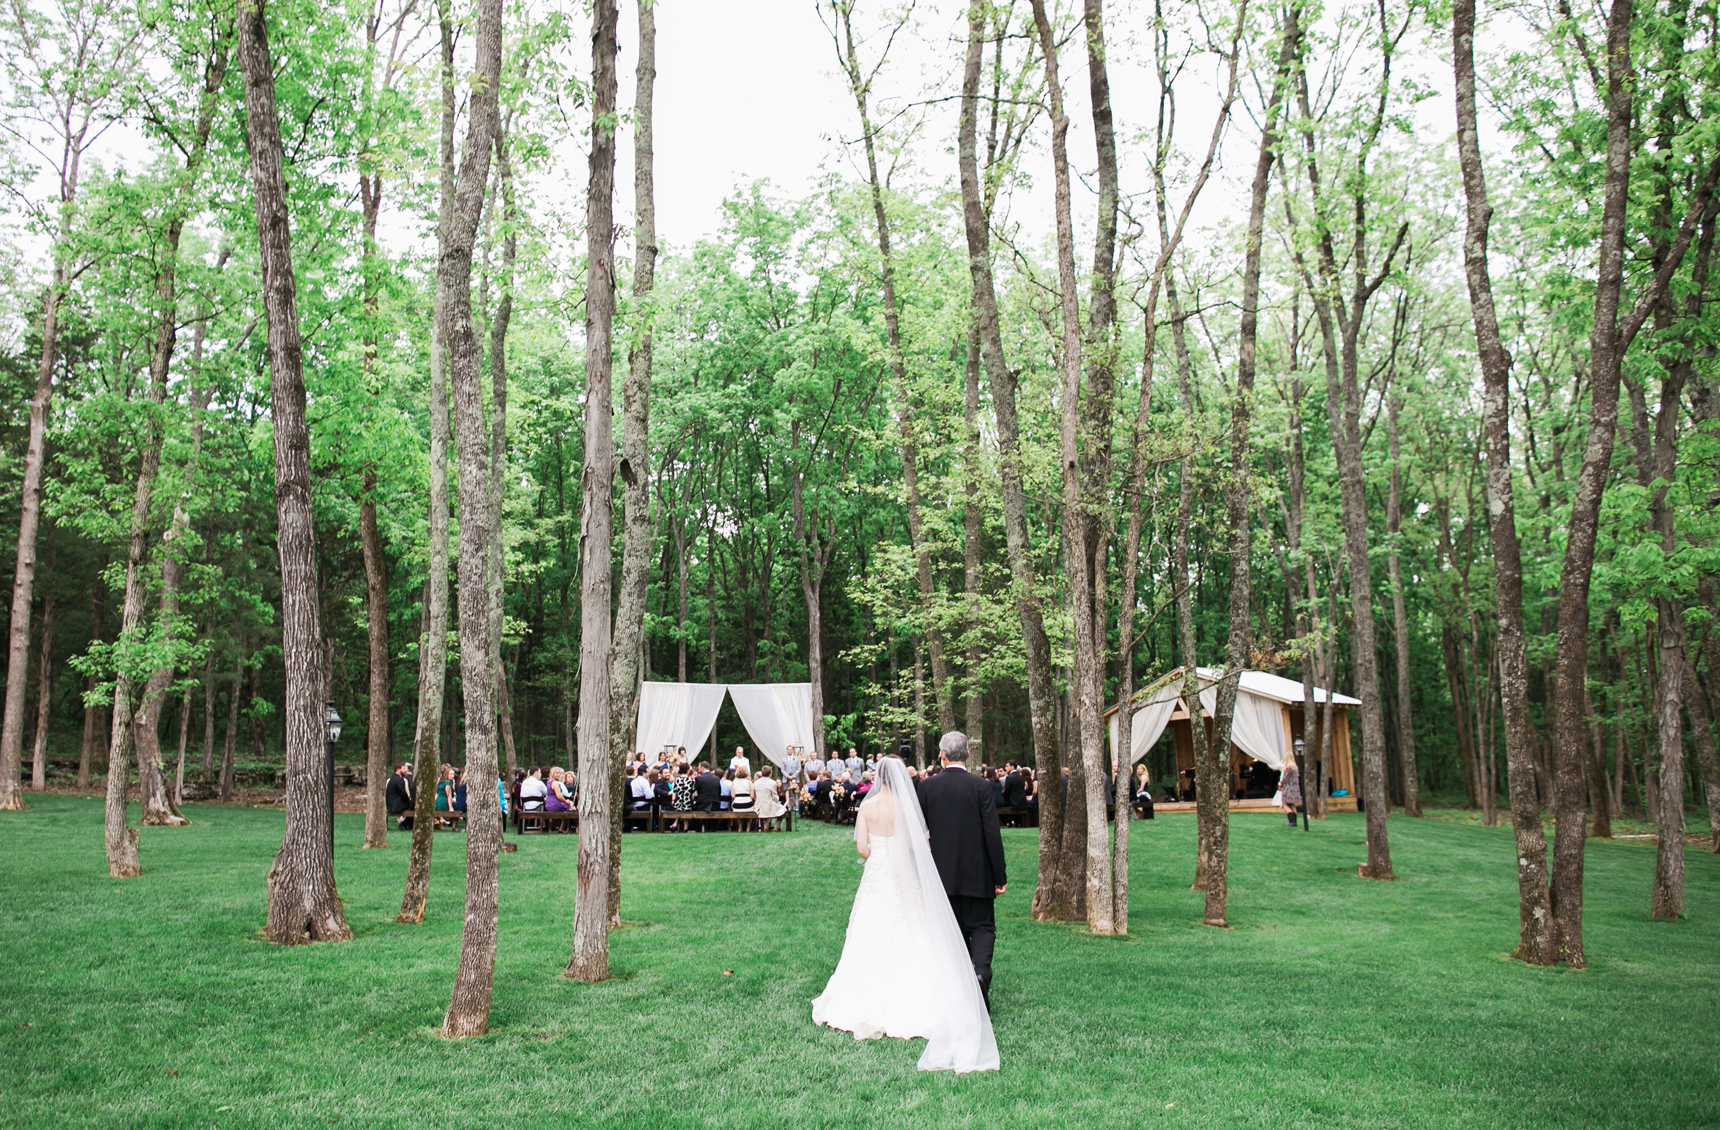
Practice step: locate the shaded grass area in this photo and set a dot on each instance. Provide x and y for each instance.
(1332, 1002)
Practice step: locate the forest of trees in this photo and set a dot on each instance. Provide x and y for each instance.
(1361, 342)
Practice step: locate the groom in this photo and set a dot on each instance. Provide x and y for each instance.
(961, 816)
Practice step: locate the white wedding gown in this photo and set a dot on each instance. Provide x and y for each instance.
(904, 970)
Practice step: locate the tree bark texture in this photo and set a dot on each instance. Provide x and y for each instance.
(303, 905)
(1077, 860)
(1003, 384)
(377, 748)
(590, 959)
(433, 649)
(635, 467)
(469, 1006)
(1400, 621)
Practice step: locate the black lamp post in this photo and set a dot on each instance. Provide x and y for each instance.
(1302, 777)
(331, 734)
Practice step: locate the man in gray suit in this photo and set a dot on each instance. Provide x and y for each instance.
(855, 765)
(790, 767)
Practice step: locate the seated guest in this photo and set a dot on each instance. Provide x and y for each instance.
(533, 791)
(707, 789)
(726, 787)
(460, 791)
(557, 799)
(681, 795)
(766, 803)
(398, 796)
(742, 789)
(639, 791)
(996, 783)
(662, 791)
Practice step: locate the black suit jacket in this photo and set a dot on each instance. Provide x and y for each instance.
(707, 792)
(1014, 791)
(961, 814)
(399, 794)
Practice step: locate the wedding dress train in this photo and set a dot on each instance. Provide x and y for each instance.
(904, 970)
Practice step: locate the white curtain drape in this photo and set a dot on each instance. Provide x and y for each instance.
(776, 715)
(1148, 724)
(677, 714)
(1257, 727)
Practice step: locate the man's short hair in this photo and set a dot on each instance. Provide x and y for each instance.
(954, 745)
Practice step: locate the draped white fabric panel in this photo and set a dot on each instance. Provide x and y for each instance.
(678, 714)
(1148, 724)
(776, 715)
(1258, 729)
(1258, 726)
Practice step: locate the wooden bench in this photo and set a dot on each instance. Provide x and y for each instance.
(733, 820)
(542, 820)
(1018, 817)
(455, 820)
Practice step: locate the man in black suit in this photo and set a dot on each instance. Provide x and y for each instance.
(967, 846)
(707, 790)
(398, 796)
(1014, 788)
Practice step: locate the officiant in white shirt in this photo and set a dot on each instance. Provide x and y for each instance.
(739, 760)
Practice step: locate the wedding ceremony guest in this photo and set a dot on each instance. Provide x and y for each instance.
(556, 798)
(726, 786)
(996, 784)
(460, 791)
(767, 805)
(814, 766)
(742, 788)
(398, 797)
(854, 763)
(1290, 789)
(790, 765)
(1014, 786)
(533, 791)
(639, 791)
(707, 789)
(681, 798)
(739, 760)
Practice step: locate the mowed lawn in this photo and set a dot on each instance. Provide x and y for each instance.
(1332, 1002)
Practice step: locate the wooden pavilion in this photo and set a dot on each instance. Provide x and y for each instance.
(1269, 718)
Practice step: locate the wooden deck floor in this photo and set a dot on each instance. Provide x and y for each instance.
(1259, 804)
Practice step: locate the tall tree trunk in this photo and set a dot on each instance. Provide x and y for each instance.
(1668, 891)
(469, 1007)
(44, 693)
(1702, 732)
(30, 517)
(859, 83)
(973, 531)
(1090, 866)
(590, 959)
(1343, 407)
(95, 737)
(635, 467)
(230, 746)
(376, 741)
(1400, 622)
(1535, 942)
(303, 904)
(1214, 789)
(1041, 694)
(433, 649)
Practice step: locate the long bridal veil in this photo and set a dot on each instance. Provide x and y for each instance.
(961, 1039)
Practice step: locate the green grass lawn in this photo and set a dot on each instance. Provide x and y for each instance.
(1332, 1002)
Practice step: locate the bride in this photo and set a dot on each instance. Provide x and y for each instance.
(905, 971)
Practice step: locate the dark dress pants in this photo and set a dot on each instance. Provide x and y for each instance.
(978, 925)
